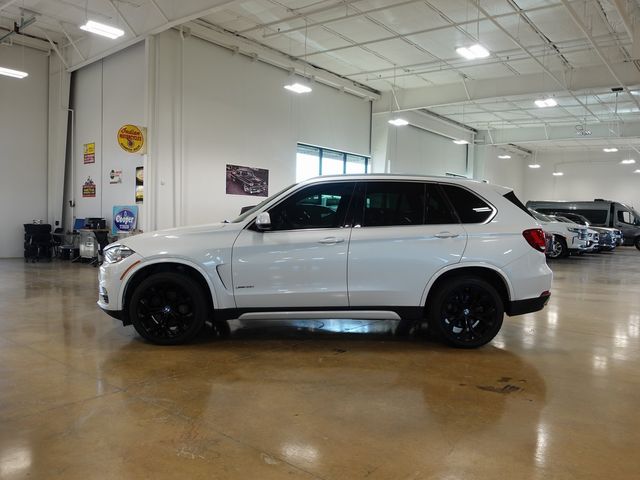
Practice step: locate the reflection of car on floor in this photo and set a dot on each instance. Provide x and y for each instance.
(250, 182)
(452, 253)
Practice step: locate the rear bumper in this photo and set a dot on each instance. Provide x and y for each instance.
(529, 305)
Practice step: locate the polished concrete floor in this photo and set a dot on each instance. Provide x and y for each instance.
(555, 396)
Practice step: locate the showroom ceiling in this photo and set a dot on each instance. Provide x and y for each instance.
(404, 46)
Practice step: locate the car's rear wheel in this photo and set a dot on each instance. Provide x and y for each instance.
(559, 248)
(168, 308)
(466, 312)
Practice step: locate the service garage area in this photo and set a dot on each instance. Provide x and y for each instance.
(334, 239)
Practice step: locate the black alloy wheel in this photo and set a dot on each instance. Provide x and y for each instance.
(467, 312)
(168, 308)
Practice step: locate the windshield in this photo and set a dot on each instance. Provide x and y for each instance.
(249, 212)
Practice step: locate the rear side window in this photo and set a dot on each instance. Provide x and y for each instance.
(394, 203)
(470, 207)
(437, 210)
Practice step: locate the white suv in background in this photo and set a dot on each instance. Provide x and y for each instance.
(455, 253)
(567, 237)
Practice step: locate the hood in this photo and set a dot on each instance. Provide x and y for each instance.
(179, 234)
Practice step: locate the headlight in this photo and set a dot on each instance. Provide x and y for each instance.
(116, 253)
(573, 230)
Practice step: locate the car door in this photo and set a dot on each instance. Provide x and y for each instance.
(404, 233)
(302, 261)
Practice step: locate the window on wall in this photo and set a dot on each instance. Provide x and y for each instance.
(314, 161)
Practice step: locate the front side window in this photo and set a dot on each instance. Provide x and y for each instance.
(470, 207)
(322, 205)
(625, 217)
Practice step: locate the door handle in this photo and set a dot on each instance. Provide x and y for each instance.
(446, 235)
(331, 240)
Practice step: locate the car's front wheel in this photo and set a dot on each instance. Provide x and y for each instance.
(466, 312)
(559, 248)
(168, 308)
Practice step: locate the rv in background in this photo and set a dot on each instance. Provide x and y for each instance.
(601, 213)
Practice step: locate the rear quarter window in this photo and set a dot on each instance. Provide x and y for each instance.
(469, 207)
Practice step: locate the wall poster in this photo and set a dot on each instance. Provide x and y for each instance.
(88, 188)
(247, 181)
(131, 139)
(115, 176)
(139, 184)
(89, 155)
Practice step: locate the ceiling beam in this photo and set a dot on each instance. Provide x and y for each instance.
(583, 28)
(537, 134)
(152, 31)
(527, 84)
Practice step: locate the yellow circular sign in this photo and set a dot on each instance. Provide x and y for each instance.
(130, 138)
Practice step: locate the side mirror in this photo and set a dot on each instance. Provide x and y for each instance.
(263, 221)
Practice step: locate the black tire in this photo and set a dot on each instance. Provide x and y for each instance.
(637, 243)
(168, 308)
(466, 312)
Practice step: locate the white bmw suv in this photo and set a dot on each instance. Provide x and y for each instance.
(455, 253)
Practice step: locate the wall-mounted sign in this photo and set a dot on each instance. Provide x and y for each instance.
(125, 219)
(247, 181)
(131, 138)
(139, 184)
(89, 188)
(89, 155)
(115, 176)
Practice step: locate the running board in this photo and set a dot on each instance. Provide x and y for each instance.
(322, 314)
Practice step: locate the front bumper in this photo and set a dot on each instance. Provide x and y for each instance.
(529, 305)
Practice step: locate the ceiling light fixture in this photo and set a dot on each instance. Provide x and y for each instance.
(628, 161)
(610, 150)
(298, 88)
(398, 122)
(461, 142)
(473, 52)
(558, 174)
(546, 102)
(102, 29)
(534, 165)
(13, 73)
(504, 157)
(637, 170)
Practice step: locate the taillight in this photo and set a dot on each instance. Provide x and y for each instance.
(535, 238)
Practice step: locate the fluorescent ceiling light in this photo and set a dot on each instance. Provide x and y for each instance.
(504, 156)
(102, 29)
(534, 165)
(460, 142)
(610, 150)
(628, 161)
(13, 73)
(557, 174)
(545, 102)
(398, 122)
(637, 171)
(298, 88)
(473, 52)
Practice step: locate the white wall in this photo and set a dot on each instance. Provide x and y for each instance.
(212, 107)
(587, 175)
(23, 145)
(509, 172)
(106, 95)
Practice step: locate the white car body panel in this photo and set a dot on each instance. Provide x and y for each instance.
(342, 268)
(395, 263)
(294, 268)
